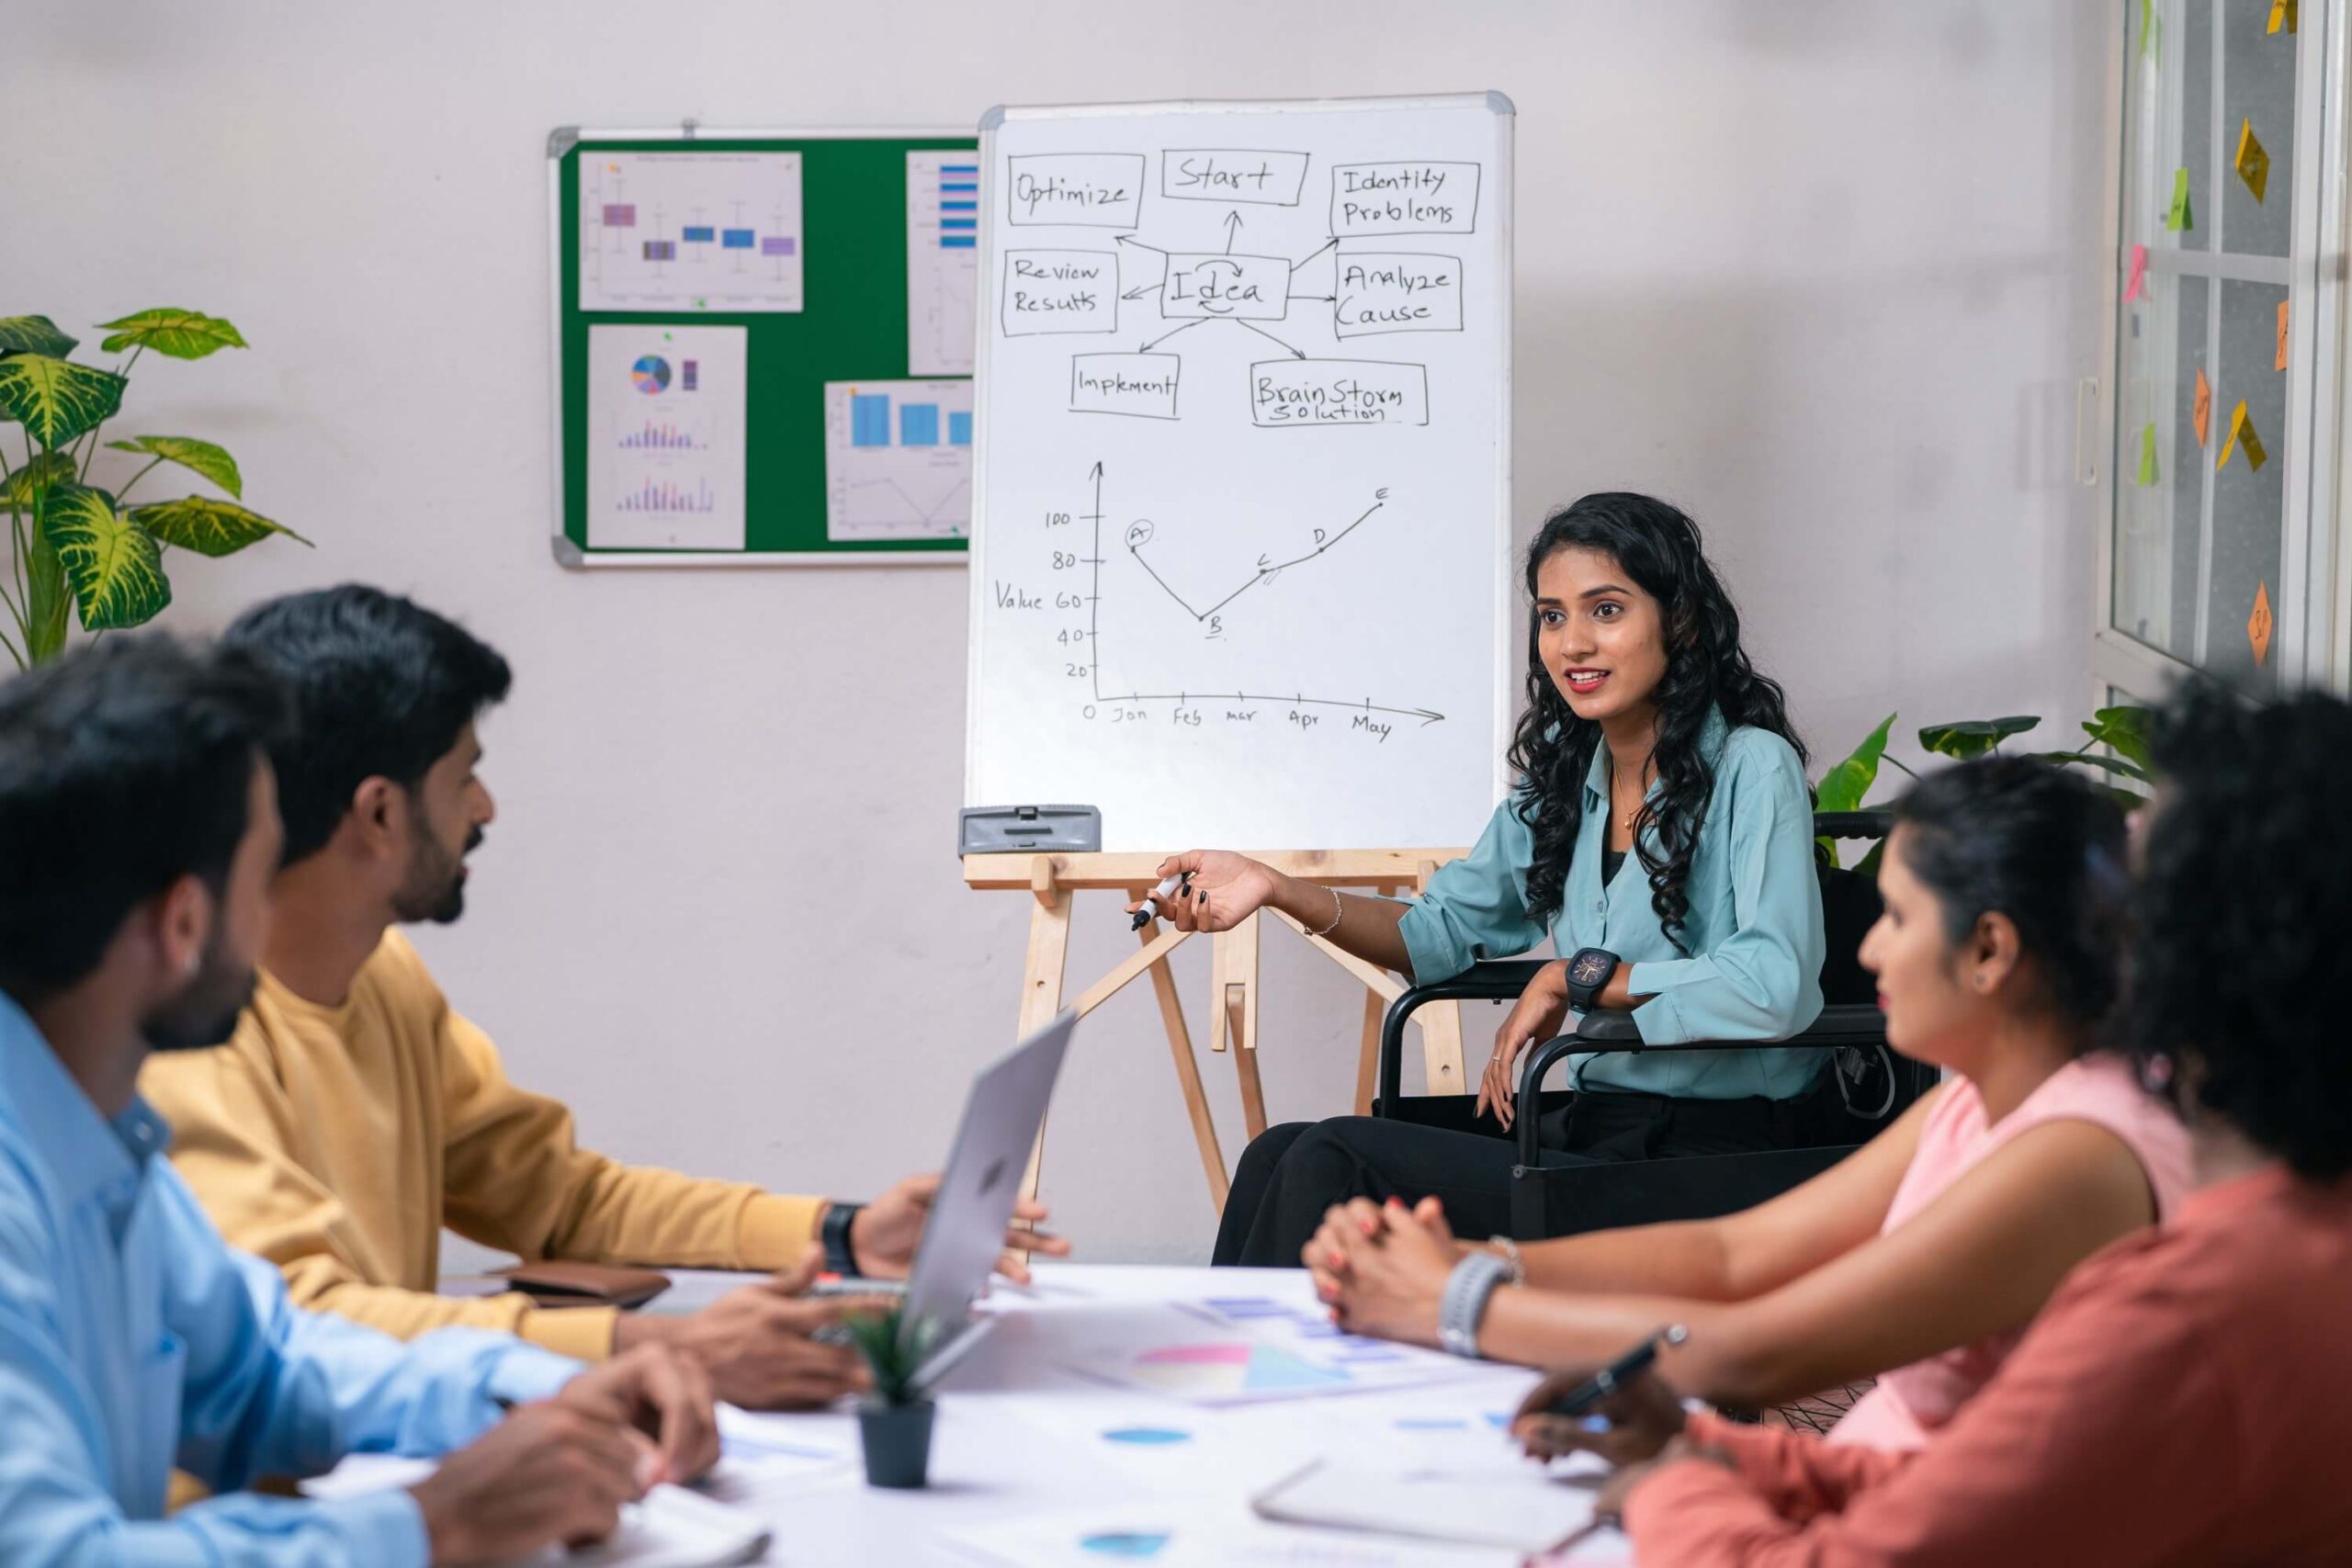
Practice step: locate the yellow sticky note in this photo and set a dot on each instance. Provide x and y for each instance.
(2253, 162)
(2283, 13)
(2177, 216)
(2201, 410)
(2281, 363)
(2255, 456)
(2148, 455)
(2257, 625)
(2230, 441)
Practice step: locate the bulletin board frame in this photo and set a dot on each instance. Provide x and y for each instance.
(856, 262)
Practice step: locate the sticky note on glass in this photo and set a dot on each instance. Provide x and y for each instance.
(2281, 362)
(2148, 453)
(2178, 216)
(2253, 162)
(2257, 625)
(2230, 441)
(2255, 456)
(2201, 410)
(2138, 280)
(2282, 14)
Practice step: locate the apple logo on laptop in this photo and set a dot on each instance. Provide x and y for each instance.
(990, 1177)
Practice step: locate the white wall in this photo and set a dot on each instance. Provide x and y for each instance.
(1824, 273)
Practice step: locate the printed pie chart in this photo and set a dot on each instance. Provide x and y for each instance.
(651, 374)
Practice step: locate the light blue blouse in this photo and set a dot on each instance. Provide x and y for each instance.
(1754, 926)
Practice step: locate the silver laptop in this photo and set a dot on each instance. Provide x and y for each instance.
(964, 1234)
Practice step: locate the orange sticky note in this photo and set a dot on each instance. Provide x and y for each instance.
(2201, 412)
(2282, 12)
(2281, 364)
(2257, 625)
(2230, 441)
(2253, 162)
(2139, 279)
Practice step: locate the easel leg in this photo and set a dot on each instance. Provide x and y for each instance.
(1368, 1056)
(1442, 1047)
(1188, 1077)
(1238, 1000)
(1041, 992)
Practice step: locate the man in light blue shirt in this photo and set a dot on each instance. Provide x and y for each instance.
(137, 833)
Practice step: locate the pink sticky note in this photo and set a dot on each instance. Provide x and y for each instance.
(2132, 285)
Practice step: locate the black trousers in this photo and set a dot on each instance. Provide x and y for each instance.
(1290, 1174)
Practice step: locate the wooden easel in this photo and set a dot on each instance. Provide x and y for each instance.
(1051, 879)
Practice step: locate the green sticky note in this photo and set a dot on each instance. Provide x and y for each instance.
(2148, 455)
(2177, 216)
(2148, 23)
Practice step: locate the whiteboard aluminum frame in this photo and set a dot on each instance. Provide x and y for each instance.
(1496, 103)
(572, 556)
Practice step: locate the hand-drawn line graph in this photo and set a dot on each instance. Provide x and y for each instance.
(1266, 573)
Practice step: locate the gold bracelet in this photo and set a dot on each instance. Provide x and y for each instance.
(1338, 913)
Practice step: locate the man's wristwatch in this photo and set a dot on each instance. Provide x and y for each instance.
(1589, 968)
(839, 1256)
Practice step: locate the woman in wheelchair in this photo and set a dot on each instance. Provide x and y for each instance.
(1661, 836)
(1919, 1258)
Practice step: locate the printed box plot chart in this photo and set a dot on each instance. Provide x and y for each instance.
(676, 232)
(665, 422)
(943, 261)
(898, 459)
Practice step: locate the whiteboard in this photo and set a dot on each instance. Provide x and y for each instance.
(1241, 527)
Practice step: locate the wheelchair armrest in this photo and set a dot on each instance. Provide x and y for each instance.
(1606, 1029)
(1495, 979)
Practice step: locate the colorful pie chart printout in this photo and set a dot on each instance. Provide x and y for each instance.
(651, 374)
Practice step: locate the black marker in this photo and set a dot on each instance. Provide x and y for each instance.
(1616, 1374)
(1150, 910)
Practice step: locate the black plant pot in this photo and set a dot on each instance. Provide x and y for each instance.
(898, 1442)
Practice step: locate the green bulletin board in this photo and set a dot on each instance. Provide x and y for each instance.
(852, 325)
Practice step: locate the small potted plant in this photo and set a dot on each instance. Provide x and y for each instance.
(894, 1422)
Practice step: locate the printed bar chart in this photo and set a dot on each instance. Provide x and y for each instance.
(919, 424)
(887, 473)
(959, 430)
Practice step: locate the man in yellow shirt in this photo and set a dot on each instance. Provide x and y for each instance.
(355, 1112)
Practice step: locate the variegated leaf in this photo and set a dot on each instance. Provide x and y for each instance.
(207, 527)
(183, 335)
(33, 335)
(115, 569)
(46, 469)
(202, 457)
(56, 399)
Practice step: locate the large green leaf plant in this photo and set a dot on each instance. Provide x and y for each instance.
(76, 548)
(2115, 744)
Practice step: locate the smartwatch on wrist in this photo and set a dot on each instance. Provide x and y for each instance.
(1589, 968)
(839, 1256)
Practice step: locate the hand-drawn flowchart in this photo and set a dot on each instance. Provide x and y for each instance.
(1362, 292)
(1243, 418)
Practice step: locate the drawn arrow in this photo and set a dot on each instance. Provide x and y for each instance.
(1232, 226)
(1326, 298)
(1188, 327)
(1140, 289)
(1295, 352)
(1131, 240)
(1318, 251)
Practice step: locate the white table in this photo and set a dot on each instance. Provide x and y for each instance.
(1021, 1437)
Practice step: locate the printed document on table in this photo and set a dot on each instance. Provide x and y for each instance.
(680, 232)
(898, 459)
(943, 261)
(665, 437)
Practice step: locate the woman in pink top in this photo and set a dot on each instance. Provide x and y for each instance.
(2186, 1398)
(1920, 1258)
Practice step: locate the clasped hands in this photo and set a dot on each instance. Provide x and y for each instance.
(1382, 1267)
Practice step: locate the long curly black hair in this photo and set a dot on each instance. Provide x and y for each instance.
(1658, 547)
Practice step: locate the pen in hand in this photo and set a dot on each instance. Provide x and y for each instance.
(1613, 1377)
(1150, 910)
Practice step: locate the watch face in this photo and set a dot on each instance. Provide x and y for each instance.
(1589, 968)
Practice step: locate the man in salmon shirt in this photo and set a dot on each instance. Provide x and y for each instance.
(2187, 1395)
